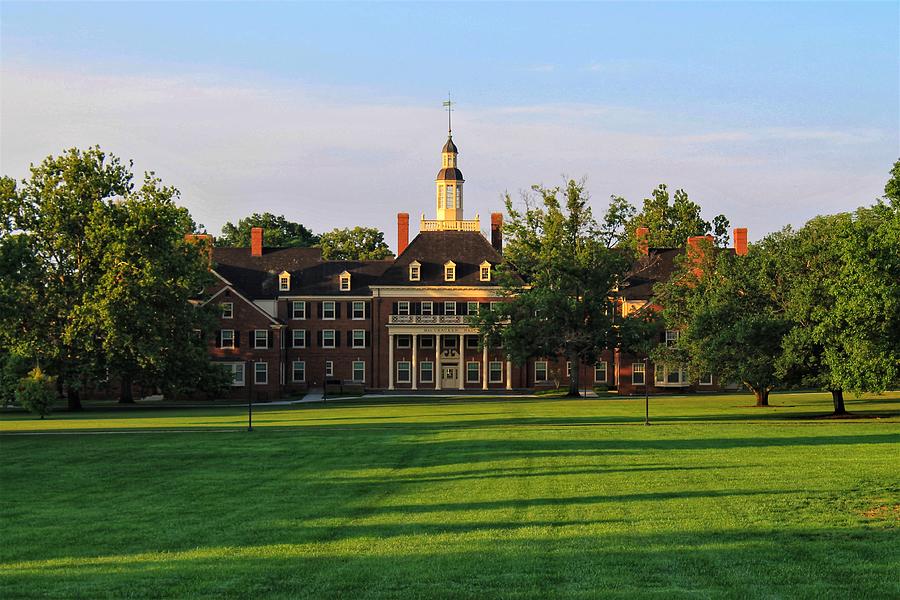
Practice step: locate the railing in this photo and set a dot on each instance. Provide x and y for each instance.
(428, 320)
(437, 225)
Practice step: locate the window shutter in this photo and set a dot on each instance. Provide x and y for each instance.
(438, 308)
(460, 308)
(271, 341)
(237, 338)
(349, 339)
(393, 308)
(484, 306)
(319, 338)
(337, 310)
(368, 340)
(368, 309)
(319, 304)
(219, 338)
(337, 339)
(416, 308)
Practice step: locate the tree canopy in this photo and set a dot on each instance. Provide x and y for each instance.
(358, 243)
(277, 232)
(672, 220)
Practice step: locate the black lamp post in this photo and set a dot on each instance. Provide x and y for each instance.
(646, 391)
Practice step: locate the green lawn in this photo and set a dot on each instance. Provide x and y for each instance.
(469, 498)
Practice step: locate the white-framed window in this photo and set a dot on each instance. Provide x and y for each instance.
(493, 306)
(568, 369)
(404, 341)
(495, 371)
(260, 338)
(449, 307)
(227, 338)
(540, 371)
(227, 310)
(459, 196)
(359, 338)
(448, 342)
(403, 307)
(261, 373)
(345, 281)
(298, 371)
(485, 271)
(426, 342)
(471, 308)
(426, 371)
(328, 337)
(298, 310)
(706, 379)
(298, 338)
(403, 375)
(449, 196)
(665, 375)
(237, 373)
(600, 372)
(415, 271)
(472, 342)
(328, 310)
(637, 374)
(449, 271)
(359, 370)
(671, 337)
(284, 281)
(359, 310)
(329, 368)
(427, 308)
(473, 372)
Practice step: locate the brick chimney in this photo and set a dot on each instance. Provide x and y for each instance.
(256, 241)
(497, 231)
(402, 232)
(740, 240)
(643, 240)
(696, 246)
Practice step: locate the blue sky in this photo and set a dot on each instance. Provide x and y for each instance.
(770, 113)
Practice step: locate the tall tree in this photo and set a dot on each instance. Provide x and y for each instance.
(358, 243)
(277, 232)
(558, 276)
(672, 220)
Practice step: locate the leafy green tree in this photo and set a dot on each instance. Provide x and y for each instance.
(729, 323)
(672, 220)
(278, 232)
(892, 188)
(558, 276)
(36, 392)
(358, 243)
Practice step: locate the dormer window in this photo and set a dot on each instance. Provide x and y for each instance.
(485, 271)
(284, 281)
(345, 281)
(449, 271)
(415, 271)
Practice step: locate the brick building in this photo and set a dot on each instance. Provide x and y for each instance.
(292, 321)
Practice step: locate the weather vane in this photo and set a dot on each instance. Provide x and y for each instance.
(449, 104)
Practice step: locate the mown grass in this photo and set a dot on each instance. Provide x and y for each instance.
(464, 498)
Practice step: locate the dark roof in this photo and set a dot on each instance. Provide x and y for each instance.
(451, 173)
(450, 146)
(468, 249)
(657, 266)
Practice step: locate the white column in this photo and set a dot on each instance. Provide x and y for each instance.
(437, 362)
(415, 362)
(390, 361)
(484, 367)
(508, 374)
(462, 363)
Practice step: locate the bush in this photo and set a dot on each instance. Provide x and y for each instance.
(13, 367)
(601, 389)
(36, 392)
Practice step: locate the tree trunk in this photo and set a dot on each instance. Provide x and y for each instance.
(837, 396)
(73, 399)
(762, 397)
(573, 378)
(125, 394)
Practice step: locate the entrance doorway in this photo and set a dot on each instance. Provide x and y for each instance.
(449, 376)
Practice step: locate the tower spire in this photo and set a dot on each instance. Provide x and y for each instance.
(449, 104)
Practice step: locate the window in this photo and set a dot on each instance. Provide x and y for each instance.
(448, 341)
(237, 373)
(671, 337)
(449, 196)
(261, 371)
(668, 376)
(495, 370)
(473, 372)
(426, 371)
(345, 281)
(359, 338)
(568, 369)
(471, 308)
(227, 338)
(706, 379)
(540, 371)
(284, 281)
(472, 342)
(403, 371)
(449, 271)
(485, 271)
(359, 310)
(359, 370)
(415, 271)
(426, 341)
(600, 372)
(459, 196)
(427, 308)
(403, 307)
(298, 310)
(637, 373)
(298, 339)
(227, 310)
(493, 306)
(260, 338)
(299, 371)
(328, 338)
(329, 368)
(328, 310)
(404, 341)
(449, 308)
